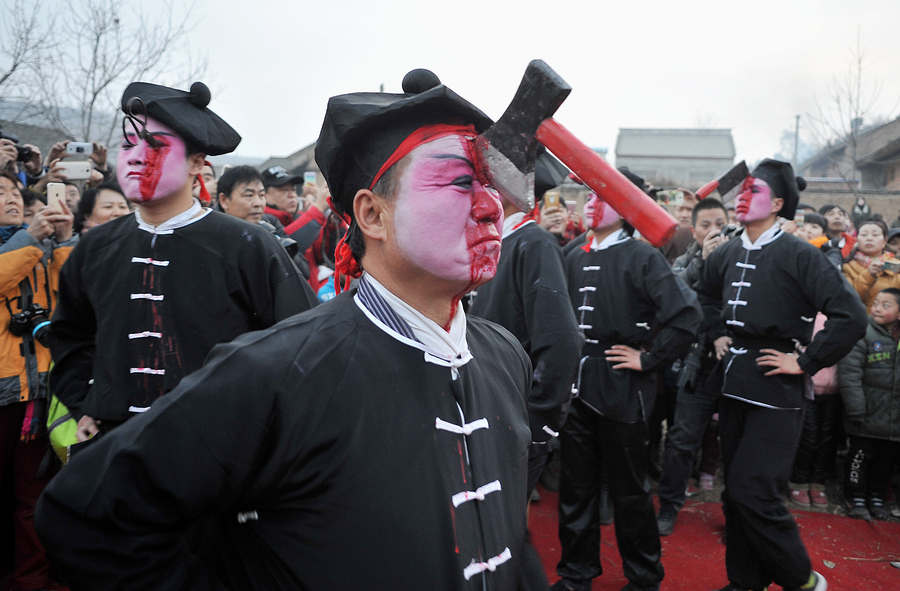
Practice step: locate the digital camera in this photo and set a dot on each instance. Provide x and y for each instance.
(33, 319)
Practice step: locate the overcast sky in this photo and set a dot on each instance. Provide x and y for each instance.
(748, 66)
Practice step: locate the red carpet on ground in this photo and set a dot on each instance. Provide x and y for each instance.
(853, 555)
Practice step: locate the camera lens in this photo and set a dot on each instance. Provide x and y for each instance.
(41, 331)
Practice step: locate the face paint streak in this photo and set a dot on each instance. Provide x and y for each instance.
(745, 197)
(153, 170)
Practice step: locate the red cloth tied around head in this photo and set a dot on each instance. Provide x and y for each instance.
(346, 267)
(203, 195)
(423, 135)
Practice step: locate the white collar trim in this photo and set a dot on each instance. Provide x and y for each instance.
(770, 235)
(448, 349)
(181, 220)
(611, 240)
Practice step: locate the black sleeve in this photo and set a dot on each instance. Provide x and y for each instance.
(276, 288)
(709, 292)
(118, 515)
(678, 314)
(73, 329)
(826, 289)
(553, 331)
(850, 378)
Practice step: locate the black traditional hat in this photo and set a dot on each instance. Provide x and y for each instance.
(185, 112)
(780, 178)
(548, 173)
(362, 130)
(636, 179)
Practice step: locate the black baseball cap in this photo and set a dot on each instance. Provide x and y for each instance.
(277, 176)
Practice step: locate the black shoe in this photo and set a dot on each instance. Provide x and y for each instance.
(858, 510)
(878, 509)
(665, 521)
(570, 585)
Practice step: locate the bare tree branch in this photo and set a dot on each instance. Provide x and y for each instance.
(103, 47)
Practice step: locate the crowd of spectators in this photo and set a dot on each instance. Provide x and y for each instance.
(851, 433)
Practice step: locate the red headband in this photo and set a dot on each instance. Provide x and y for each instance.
(423, 135)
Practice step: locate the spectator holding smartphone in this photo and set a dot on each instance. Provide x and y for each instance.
(871, 268)
(31, 256)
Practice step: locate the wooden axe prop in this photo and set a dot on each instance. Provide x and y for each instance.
(508, 150)
(725, 183)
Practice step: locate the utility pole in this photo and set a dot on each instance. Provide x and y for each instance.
(796, 138)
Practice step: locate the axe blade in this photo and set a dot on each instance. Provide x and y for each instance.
(508, 149)
(724, 186)
(734, 177)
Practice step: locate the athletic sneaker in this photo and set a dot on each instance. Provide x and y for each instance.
(665, 521)
(878, 509)
(895, 510)
(800, 496)
(817, 495)
(816, 583)
(858, 509)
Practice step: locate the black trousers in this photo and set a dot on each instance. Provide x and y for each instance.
(763, 543)
(693, 412)
(533, 576)
(589, 441)
(870, 462)
(818, 444)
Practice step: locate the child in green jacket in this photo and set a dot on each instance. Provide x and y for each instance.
(870, 386)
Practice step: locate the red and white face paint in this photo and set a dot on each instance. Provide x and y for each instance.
(598, 215)
(754, 202)
(447, 221)
(146, 172)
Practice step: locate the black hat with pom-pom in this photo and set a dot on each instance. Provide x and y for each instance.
(185, 112)
(780, 178)
(362, 130)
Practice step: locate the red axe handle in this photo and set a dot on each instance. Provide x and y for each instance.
(705, 191)
(652, 221)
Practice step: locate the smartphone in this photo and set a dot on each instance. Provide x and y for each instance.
(82, 148)
(77, 170)
(891, 265)
(309, 177)
(551, 200)
(56, 194)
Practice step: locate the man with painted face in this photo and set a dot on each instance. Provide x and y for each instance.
(528, 296)
(379, 441)
(766, 289)
(636, 316)
(145, 297)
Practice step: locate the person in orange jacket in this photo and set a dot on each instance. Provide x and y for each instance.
(871, 268)
(30, 259)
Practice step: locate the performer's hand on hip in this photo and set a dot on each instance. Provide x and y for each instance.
(782, 362)
(626, 357)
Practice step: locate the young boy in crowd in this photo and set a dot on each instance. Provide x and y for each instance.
(869, 387)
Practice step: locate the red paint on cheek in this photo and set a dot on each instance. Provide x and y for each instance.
(152, 170)
(745, 197)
